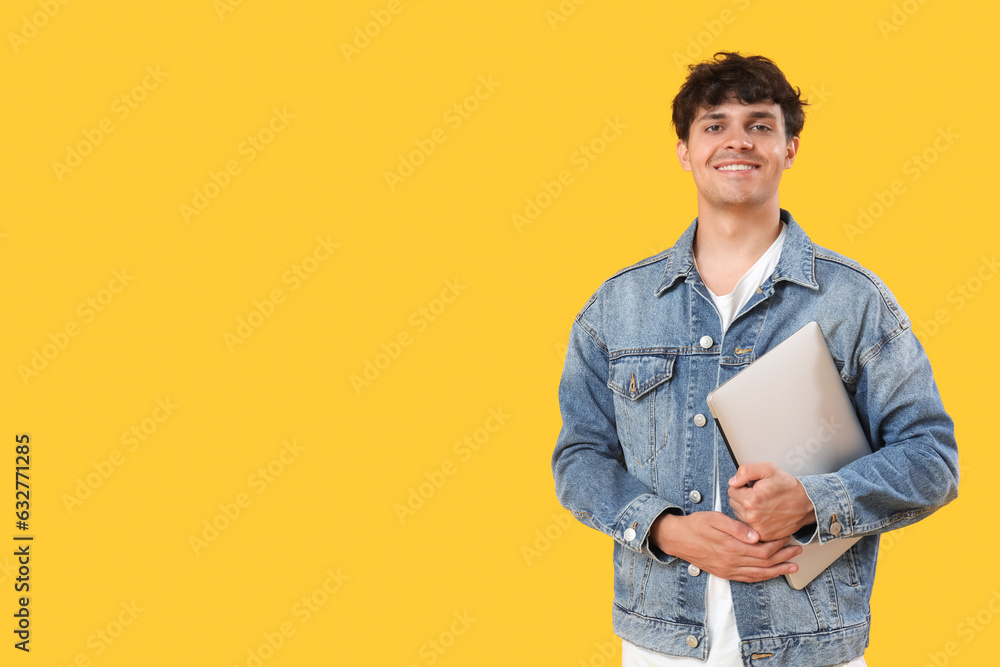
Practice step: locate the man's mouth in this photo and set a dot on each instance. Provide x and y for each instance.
(738, 167)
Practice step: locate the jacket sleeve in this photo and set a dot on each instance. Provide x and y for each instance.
(913, 469)
(588, 464)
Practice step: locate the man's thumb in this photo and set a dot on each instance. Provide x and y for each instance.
(746, 475)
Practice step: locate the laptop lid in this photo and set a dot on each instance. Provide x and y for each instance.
(790, 408)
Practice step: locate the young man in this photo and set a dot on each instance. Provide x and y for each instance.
(698, 553)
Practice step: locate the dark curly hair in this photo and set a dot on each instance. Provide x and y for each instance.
(750, 79)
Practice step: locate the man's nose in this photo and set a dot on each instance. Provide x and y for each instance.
(738, 139)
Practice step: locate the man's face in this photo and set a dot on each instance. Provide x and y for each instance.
(736, 153)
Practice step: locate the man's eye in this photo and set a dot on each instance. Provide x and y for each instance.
(765, 128)
(713, 128)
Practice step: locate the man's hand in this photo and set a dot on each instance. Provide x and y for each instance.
(775, 506)
(722, 546)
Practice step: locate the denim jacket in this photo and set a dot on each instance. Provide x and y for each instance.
(638, 440)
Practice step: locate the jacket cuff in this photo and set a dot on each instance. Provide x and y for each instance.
(805, 534)
(632, 529)
(833, 507)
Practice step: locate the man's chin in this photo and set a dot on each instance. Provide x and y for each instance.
(737, 203)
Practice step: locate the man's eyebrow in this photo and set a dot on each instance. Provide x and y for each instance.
(722, 115)
(713, 115)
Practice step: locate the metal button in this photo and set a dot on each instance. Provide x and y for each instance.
(835, 528)
(699, 419)
(706, 342)
(695, 496)
(629, 534)
(694, 570)
(692, 641)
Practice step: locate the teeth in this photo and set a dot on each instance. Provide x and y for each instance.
(737, 167)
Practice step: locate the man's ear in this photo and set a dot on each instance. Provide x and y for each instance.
(683, 158)
(791, 151)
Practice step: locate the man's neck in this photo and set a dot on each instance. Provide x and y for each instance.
(727, 243)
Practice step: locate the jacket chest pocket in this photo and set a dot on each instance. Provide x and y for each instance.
(639, 383)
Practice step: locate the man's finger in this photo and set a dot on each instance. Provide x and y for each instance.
(785, 554)
(754, 574)
(749, 472)
(737, 530)
(770, 553)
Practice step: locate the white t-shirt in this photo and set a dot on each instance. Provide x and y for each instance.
(721, 619)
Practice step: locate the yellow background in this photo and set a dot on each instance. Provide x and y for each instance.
(886, 81)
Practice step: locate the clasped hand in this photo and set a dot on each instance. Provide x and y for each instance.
(775, 506)
(753, 548)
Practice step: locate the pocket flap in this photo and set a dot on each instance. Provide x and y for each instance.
(633, 375)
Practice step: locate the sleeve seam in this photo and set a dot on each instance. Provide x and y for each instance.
(592, 334)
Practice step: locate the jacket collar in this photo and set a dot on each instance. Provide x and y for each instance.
(796, 264)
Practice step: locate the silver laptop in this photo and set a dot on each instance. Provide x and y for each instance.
(790, 408)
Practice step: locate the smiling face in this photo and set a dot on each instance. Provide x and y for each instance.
(736, 153)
